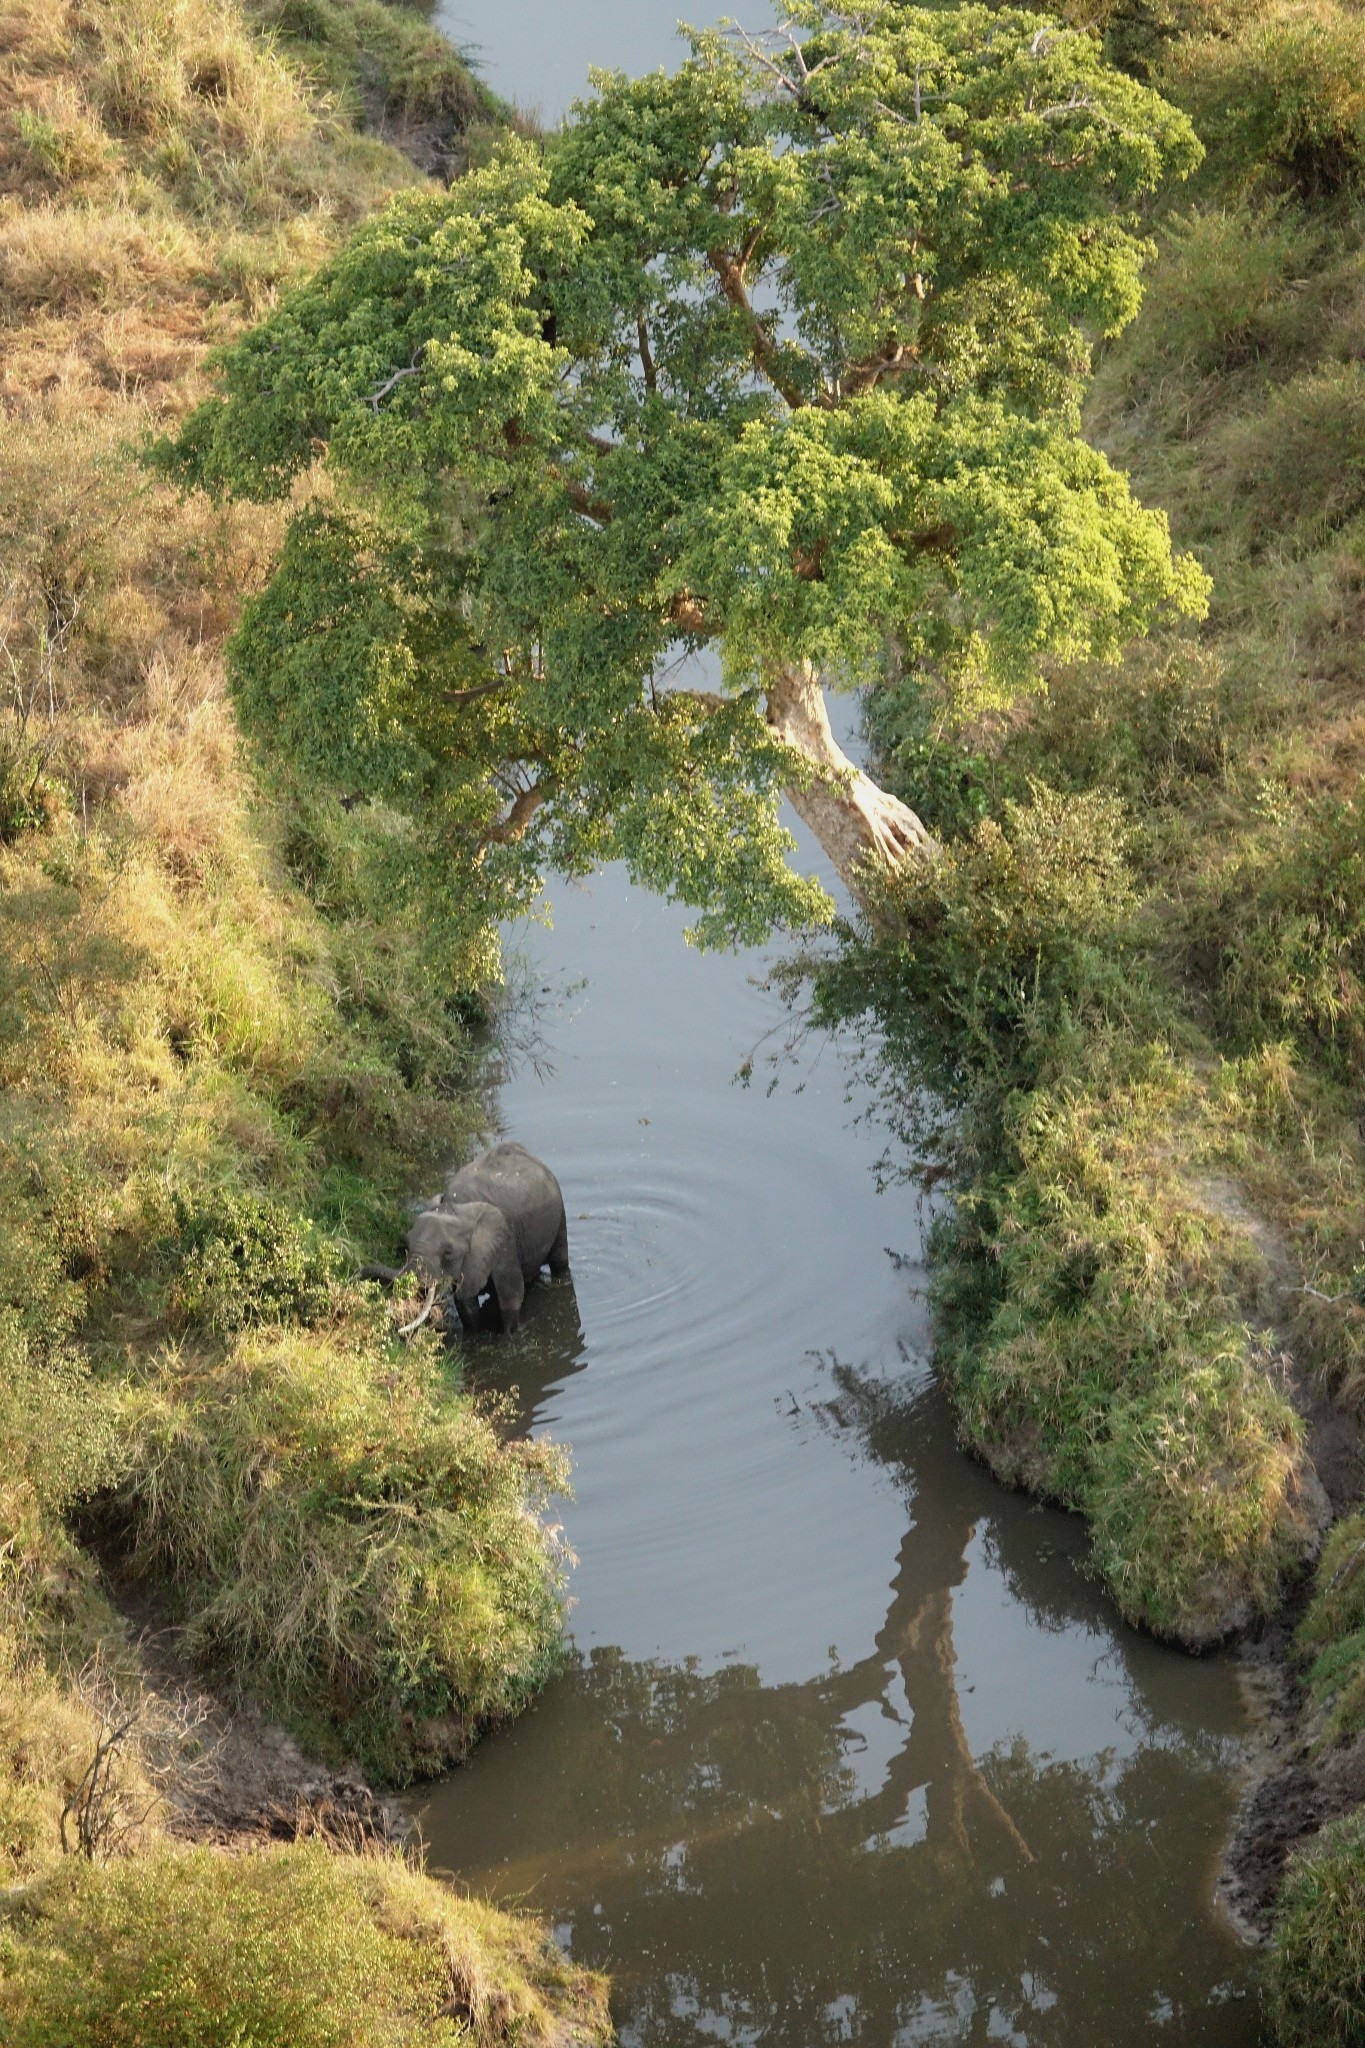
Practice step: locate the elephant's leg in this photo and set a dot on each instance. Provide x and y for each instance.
(558, 1257)
(509, 1287)
(467, 1311)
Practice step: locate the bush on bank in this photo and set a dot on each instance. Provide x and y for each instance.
(1092, 1315)
(286, 1948)
(343, 1538)
(1124, 1011)
(1153, 1130)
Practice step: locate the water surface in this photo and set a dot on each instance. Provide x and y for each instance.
(537, 53)
(849, 1748)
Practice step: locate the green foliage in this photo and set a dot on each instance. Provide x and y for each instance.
(1315, 1975)
(953, 784)
(1140, 35)
(1282, 98)
(1003, 951)
(1212, 293)
(289, 1948)
(1331, 1636)
(1088, 1324)
(1126, 1214)
(57, 1434)
(1152, 730)
(1087, 1304)
(1184, 1556)
(577, 444)
(245, 1259)
(1284, 936)
(345, 1538)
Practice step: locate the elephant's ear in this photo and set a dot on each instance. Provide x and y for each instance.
(492, 1259)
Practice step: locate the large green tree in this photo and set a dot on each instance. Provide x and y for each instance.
(781, 354)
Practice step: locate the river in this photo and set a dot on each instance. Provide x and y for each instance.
(849, 1748)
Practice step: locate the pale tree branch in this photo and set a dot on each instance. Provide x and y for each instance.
(414, 369)
(646, 354)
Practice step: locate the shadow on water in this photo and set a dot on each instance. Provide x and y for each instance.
(531, 1367)
(924, 1844)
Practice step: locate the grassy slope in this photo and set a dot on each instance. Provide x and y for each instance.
(223, 1062)
(1147, 948)
(1144, 949)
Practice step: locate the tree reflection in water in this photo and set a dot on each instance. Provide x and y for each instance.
(830, 1861)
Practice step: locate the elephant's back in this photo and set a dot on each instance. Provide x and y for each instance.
(526, 1191)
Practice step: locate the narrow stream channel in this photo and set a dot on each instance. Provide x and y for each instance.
(848, 1749)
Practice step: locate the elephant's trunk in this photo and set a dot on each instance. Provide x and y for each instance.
(388, 1274)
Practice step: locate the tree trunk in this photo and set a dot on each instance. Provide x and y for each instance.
(863, 828)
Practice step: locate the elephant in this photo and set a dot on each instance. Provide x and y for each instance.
(471, 1246)
(529, 1196)
(500, 1219)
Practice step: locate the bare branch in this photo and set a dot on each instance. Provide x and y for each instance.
(582, 499)
(646, 355)
(475, 690)
(385, 388)
(145, 1744)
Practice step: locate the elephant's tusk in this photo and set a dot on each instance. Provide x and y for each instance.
(407, 1329)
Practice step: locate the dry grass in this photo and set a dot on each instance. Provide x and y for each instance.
(176, 1017)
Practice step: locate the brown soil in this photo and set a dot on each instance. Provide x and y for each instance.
(249, 1782)
(1283, 1808)
(435, 146)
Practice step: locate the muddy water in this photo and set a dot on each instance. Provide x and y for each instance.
(848, 1748)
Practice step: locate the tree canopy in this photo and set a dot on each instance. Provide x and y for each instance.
(782, 353)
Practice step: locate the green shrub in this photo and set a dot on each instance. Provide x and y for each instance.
(58, 1446)
(380, 48)
(1221, 271)
(288, 1948)
(951, 783)
(1282, 938)
(1294, 467)
(345, 1538)
(1149, 730)
(1138, 34)
(1005, 950)
(1087, 1319)
(1315, 1975)
(245, 1259)
(1332, 1632)
(1283, 98)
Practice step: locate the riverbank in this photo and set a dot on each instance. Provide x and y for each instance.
(226, 1062)
(1138, 983)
